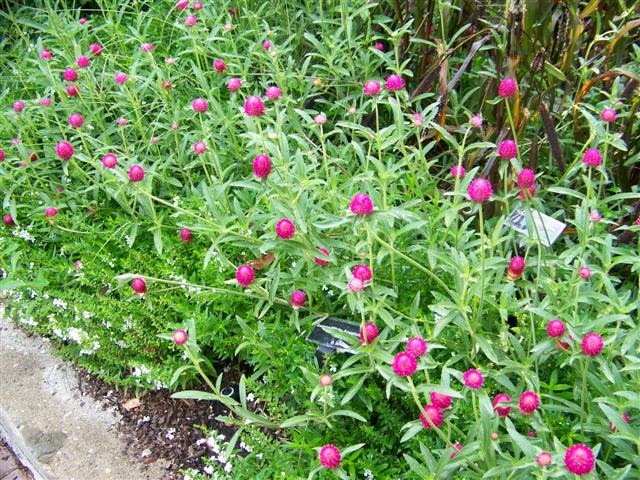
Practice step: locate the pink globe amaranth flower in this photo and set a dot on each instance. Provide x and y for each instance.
(136, 173)
(254, 106)
(417, 119)
(46, 54)
(404, 364)
(394, 83)
(147, 47)
(417, 347)
(139, 285)
(169, 60)
(95, 49)
(499, 399)
(121, 78)
(72, 90)
(219, 65)
(245, 275)
(45, 102)
(432, 416)
(228, 27)
(592, 344)
(200, 105)
(51, 212)
(83, 21)
(261, 166)
(457, 447)
(122, 122)
(579, 459)
(185, 235)
(608, 115)
(555, 328)
(625, 418)
(507, 87)
(285, 228)
(527, 193)
(18, 106)
(480, 190)
(83, 61)
(77, 265)
(362, 272)
(372, 88)
(528, 403)
(473, 379)
(1, 155)
(191, 20)
(234, 84)
(64, 150)
(70, 75)
(76, 120)
(326, 380)
(457, 171)
(298, 298)
(585, 273)
(595, 216)
(320, 119)
(266, 44)
(273, 93)
(166, 84)
(526, 178)
(361, 204)
(592, 158)
(508, 149)
(197, 5)
(356, 285)
(199, 147)
(544, 459)
(180, 337)
(330, 457)
(174, 126)
(23, 164)
(476, 120)
(532, 433)
(155, 140)
(368, 333)
(321, 262)
(8, 221)
(440, 400)
(182, 4)
(109, 161)
(15, 140)
(379, 46)
(516, 266)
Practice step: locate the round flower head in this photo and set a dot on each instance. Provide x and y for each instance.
(476, 120)
(139, 285)
(167, 85)
(45, 102)
(51, 212)
(197, 5)
(516, 266)
(234, 84)
(592, 344)
(185, 235)
(417, 347)
(266, 44)
(480, 190)
(544, 459)
(182, 4)
(555, 328)
(155, 140)
(326, 380)
(508, 149)
(76, 120)
(298, 298)
(528, 402)
(440, 400)
(394, 83)
(457, 171)
(585, 273)
(330, 457)
(122, 121)
(285, 228)
(190, 20)
(595, 216)
(169, 60)
(320, 119)
(361, 204)
(372, 88)
(457, 447)
(507, 87)
(147, 47)
(592, 158)
(72, 90)
(46, 54)
(273, 93)
(95, 49)
(261, 166)
(245, 275)
(83, 21)
(64, 150)
(526, 178)
(199, 105)
(219, 65)
(362, 272)
(579, 459)
(70, 75)
(473, 379)
(501, 399)
(254, 106)
(180, 337)
(417, 119)
(1, 155)
(8, 221)
(199, 148)
(121, 78)
(83, 61)
(368, 333)
(404, 364)
(379, 46)
(432, 416)
(18, 106)
(321, 262)
(109, 161)
(228, 27)
(356, 285)
(136, 173)
(608, 115)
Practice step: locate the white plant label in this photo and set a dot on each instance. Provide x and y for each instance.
(546, 228)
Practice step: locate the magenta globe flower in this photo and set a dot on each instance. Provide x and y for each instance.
(76, 120)
(64, 150)
(473, 379)
(457, 171)
(109, 161)
(254, 106)
(608, 115)
(507, 87)
(417, 347)
(508, 149)
(329, 457)
(245, 275)
(199, 105)
(394, 83)
(83, 61)
(136, 173)
(555, 328)
(404, 364)
(372, 88)
(298, 299)
(139, 285)
(261, 166)
(592, 344)
(273, 93)
(480, 190)
(499, 407)
(362, 272)
(95, 49)
(592, 158)
(431, 417)
(51, 212)
(320, 261)
(219, 65)
(234, 84)
(361, 204)
(180, 337)
(186, 235)
(70, 75)
(528, 403)
(579, 459)
(285, 228)
(526, 178)
(368, 333)
(440, 400)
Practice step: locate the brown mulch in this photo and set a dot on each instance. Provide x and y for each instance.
(10, 466)
(144, 428)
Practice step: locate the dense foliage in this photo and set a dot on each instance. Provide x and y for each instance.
(188, 189)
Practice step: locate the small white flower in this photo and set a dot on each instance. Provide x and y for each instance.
(250, 397)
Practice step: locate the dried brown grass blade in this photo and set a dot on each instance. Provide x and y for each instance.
(552, 135)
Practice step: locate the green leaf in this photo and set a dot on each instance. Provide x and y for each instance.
(195, 395)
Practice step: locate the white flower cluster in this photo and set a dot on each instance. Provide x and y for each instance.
(24, 234)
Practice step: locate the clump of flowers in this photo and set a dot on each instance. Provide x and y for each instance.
(431, 417)
(330, 457)
(361, 204)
